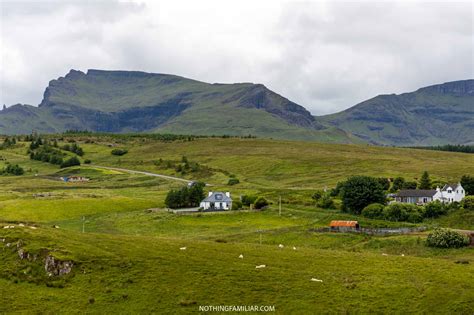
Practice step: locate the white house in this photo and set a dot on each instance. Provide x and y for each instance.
(449, 193)
(217, 201)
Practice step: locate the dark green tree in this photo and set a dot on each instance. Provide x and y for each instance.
(467, 183)
(360, 191)
(425, 181)
(398, 183)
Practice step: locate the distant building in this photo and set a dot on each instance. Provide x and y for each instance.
(449, 193)
(73, 179)
(217, 201)
(337, 225)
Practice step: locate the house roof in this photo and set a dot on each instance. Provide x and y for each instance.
(217, 196)
(344, 223)
(416, 193)
(452, 185)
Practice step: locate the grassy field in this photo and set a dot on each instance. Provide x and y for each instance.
(128, 258)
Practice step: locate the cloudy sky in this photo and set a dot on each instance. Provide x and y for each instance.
(326, 56)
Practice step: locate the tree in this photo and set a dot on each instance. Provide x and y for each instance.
(72, 161)
(468, 203)
(398, 183)
(247, 200)
(425, 181)
(325, 202)
(384, 182)
(409, 185)
(403, 212)
(360, 191)
(467, 183)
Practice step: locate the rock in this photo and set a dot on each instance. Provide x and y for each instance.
(260, 266)
(57, 267)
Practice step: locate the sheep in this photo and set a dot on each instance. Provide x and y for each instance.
(241, 256)
(260, 266)
(281, 246)
(21, 224)
(6, 227)
(294, 248)
(33, 227)
(182, 248)
(403, 255)
(383, 254)
(316, 280)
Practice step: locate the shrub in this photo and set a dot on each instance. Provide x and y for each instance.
(398, 183)
(467, 183)
(468, 203)
(410, 185)
(359, 192)
(403, 212)
(247, 200)
(434, 209)
(119, 152)
(72, 161)
(373, 211)
(13, 170)
(233, 181)
(446, 238)
(260, 203)
(336, 191)
(236, 205)
(384, 182)
(317, 195)
(325, 202)
(87, 161)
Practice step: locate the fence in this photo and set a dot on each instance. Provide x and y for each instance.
(372, 231)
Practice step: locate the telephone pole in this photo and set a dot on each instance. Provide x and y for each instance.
(279, 207)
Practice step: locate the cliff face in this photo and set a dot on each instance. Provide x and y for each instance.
(437, 114)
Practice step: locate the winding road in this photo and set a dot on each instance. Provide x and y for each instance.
(143, 173)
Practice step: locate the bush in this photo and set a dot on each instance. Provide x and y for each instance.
(384, 182)
(13, 170)
(72, 161)
(318, 194)
(434, 209)
(446, 238)
(373, 211)
(359, 192)
(87, 161)
(403, 212)
(247, 200)
(236, 205)
(260, 203)
(325, 202)
(233, 181)
(468, 203)
(467, 183)
(119, 152)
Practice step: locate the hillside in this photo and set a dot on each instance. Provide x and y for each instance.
(124, 245)
(437, 114)
(131, 101)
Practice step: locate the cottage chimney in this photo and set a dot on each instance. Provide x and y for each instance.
(227, 194)
(210, 193)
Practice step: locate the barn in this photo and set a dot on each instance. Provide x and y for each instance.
(337, 225)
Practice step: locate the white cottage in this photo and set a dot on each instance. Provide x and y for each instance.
(449, 193)
(217, 201)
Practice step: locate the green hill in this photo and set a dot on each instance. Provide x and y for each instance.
(131, 101)
(433, 115)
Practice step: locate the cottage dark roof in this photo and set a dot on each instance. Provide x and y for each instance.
(416, 193)
(217, 196)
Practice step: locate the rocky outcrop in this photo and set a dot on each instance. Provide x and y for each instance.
(55, 267)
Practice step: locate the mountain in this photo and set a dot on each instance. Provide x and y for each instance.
(130, 101)
(432, 115)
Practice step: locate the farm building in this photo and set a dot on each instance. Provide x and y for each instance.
(217, 201)
(74, 179)
(449, 193)
(344, 225)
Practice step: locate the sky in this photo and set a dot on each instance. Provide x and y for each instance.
(324, 55)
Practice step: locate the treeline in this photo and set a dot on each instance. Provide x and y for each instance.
(11, 169)
(49, 152)
(185, 197)
(8, 142)
(449, 147)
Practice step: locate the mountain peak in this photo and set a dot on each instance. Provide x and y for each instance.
(455, 88)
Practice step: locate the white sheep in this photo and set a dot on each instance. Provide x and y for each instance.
(403, 255)
(6, 227)
(383, 254)
(260, 266)
(182, 248)
(33, 227)
(241, 256)
(281, 246)
(294, 248)
(21, 224)
(316, 280)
